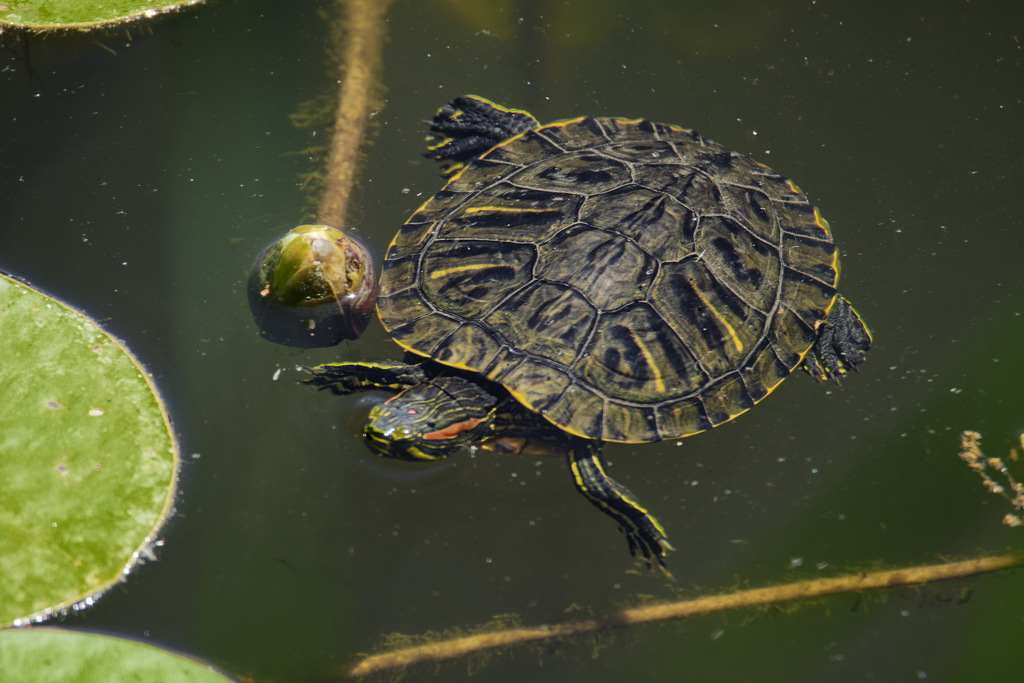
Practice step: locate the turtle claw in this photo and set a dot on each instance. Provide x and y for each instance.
(469, 126)
(349, 378)
(645, 536)
(651, 549)
(842, 344)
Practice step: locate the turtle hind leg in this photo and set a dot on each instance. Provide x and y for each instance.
(842, 344)
(469, 126)
(643, 532)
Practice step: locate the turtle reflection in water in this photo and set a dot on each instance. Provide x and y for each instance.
(595, 280)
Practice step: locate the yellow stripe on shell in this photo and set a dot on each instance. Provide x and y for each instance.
(659, 384)
(445, 272)
(820, 221)
(504, 209)
(729, 328)
(677, 129)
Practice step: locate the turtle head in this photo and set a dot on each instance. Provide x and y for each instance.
(431, 419)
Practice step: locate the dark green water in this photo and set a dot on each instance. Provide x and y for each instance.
(140, 185)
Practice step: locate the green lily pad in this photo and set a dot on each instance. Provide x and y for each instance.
(45, 654)
(80, 14)
(87, 458)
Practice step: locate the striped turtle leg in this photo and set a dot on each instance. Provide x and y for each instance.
(348, 378)
(843, 342)
(612, 498)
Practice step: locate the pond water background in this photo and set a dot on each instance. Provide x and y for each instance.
(140, 175)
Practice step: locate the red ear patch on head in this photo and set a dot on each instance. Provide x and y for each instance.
(452, 430)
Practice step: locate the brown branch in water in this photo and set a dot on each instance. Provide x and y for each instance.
(362, 25)
(802, 590)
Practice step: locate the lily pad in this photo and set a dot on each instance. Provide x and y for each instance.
(41, 15)
(45, 654)
(87, 457)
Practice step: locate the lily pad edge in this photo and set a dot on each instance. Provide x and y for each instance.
(146, 551)
(148, 13)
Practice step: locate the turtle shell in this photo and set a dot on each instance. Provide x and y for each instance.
(628, 280)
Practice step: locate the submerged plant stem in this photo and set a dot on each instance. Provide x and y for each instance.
(362, 25)
(801, 590)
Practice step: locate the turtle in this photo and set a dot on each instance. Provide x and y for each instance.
(591, 281)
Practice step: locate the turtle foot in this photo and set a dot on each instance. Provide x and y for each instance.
(842, 344)
(348, 378)
(645, 535)
(468, 127)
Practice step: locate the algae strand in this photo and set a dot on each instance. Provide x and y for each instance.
(443, 650)
(360, 32)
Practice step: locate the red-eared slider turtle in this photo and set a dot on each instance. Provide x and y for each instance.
(593, 280)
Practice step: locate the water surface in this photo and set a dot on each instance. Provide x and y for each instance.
(141, 174)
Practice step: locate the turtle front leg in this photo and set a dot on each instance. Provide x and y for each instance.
(348, 378)
(643, 532)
